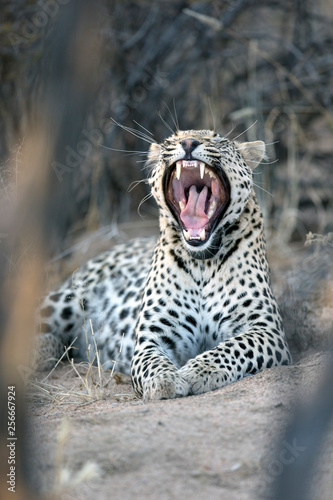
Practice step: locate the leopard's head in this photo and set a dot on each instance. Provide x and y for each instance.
(202, 183)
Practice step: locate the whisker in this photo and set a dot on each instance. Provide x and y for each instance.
(144, 199)
(176, 116)
(165, 123)
(263, 162)
(171, 116)
(144, 128)
(135, 132)
(211, 112)
(262, 189)
(125, 151)
(134, 184)
(244, 131)
(230, 131)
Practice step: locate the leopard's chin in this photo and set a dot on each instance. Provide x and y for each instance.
(205, 250)
(197, 195)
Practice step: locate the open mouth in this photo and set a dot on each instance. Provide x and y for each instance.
(198, 196)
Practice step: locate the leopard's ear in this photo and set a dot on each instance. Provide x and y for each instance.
(252, 152)
(154, 152)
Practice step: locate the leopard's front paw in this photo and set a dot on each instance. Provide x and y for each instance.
(203, 377)
(165, 386)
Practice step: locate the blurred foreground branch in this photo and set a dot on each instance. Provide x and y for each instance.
(35, 221)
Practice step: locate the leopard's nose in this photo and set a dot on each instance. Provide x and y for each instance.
(189, 145)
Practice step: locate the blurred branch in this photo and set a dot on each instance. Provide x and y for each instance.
(36, 219)
(218, 26)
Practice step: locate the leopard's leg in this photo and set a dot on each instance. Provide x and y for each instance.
(154, 375)
(235, 358)
(46, 351)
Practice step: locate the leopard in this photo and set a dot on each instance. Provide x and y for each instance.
(193, 311)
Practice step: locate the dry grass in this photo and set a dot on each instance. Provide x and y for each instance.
(80, 383)
(77, 384)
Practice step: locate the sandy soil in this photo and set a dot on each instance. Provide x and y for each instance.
(222, 445)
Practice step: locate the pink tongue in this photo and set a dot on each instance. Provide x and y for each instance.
(193, 216)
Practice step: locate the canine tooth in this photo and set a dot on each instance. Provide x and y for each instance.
(202, 234)
(202, 169)
(181, 205)
(178, 169)
(186, 234)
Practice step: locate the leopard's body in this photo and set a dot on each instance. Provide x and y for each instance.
(196, 312)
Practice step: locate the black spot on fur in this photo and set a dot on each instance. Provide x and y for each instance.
(55, 297)
(165, 322)
(260, 361)
(67, 313)
(155, 329)
(124, 313)
(191, 320)
(169, 342)
(46, 312)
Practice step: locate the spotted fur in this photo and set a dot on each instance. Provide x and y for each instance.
(196, 312)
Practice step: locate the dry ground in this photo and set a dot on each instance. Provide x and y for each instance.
(223, 444)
